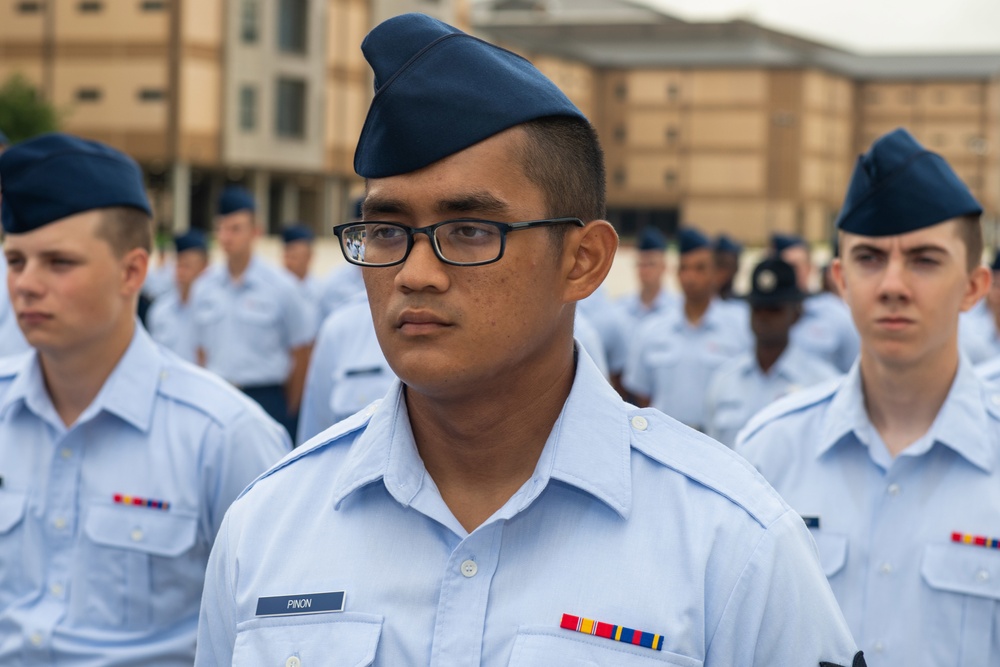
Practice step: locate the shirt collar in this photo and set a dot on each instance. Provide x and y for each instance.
(962, 424)
(589, 448)
(129, 392)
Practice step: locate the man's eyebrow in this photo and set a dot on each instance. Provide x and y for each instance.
(373, 206)
(864, 247)
(476, 202)
(928, 247)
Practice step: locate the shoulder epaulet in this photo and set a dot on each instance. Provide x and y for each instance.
(331, 437)
(200, 390)
(792, 403)
(709, 463)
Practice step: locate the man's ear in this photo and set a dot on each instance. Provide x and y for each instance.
(134, 265)
(588, 253)
(980, 279)
(837, 273)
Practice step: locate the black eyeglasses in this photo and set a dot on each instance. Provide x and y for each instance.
(463, 242)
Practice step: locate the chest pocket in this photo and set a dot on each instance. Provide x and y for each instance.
(128, 555)
(342, 639)
(544, 647)
(257, 312)
(968, 578)
(12, 546)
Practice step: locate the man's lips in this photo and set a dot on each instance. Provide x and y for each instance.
(30, 317)
(420, 321)
(894, 322)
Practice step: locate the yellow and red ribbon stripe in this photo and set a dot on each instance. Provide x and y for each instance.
(618, 633)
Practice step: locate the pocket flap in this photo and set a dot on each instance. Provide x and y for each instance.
(832, 551)
(141, 529)
(11, 510)
(544, 646)
(962, 568)
(342, 639)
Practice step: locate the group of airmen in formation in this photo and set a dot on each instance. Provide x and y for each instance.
(497, 463)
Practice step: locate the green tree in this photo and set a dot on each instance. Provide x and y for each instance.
(23, 112)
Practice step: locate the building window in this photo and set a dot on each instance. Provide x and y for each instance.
(670, 178)
(672, 136)
(90, 7)
(151, 95)
(673, 92)
(620, 134)
(978, 145)
(29, 7)
(249, 24)
(621, 91)
(248, 108)
(620, 177)
(872, 97)
(293, 25)
(291, 116)
(88, 95)
(153, 6)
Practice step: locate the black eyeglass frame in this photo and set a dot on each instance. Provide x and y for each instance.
(429, 230)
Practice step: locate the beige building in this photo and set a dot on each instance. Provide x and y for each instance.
(733, 127)
(270, 94)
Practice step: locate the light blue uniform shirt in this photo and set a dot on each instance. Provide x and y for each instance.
(248, 329)
(310, 291)
(612, 326)
(171, 324)
(88, 581)
(347, 370)
(671, 361)
(910, 595)
(827, 331)
(636, 311)
(629, 518)
(978, 336)
(739, 388)
(11, 339)
(341, 286)
(160, 279)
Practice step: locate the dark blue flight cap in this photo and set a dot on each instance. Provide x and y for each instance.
(773, 284)
(898, 186)
(439, 91)
(235, 198)
(782, 242)
(293, 233)
(995, 266)
(689, 239)
(191, 240)
(4, 141)
(54, 176)
(725, 244)
(652, 239)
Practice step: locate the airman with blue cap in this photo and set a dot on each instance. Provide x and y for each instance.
(742, 386)
(673, 356)
(651, 268)
(727, 265)
(170, 319)
(896, 467)
(501, 505)
(297, 255)
(252, 326)
(117, 459)
(825, 329)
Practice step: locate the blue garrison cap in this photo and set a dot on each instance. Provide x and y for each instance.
(54, 176)
(725, 244)
(689, 239)
(782, 242)
(773, 283)
(995, 266)
(4, 141)
(898, 186)
(235, 198)
(293, 233)
(652, 239)
(191, 240)
(439, 91)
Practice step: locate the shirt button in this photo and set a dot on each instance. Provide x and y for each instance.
(893, 489)
(983, 576)
(59, 523)
(136, 535)
(469, 568)
(885, 568)
(66, 452)
(37, 639)
(639, 423)
(879, 647)
(293, 661)
(56, 590)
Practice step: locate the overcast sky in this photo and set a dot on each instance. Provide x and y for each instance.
(871, 26)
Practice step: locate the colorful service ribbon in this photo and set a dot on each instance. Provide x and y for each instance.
(976, 540)
(616, 633)
(136, 501)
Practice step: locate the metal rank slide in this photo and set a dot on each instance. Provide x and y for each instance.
(976, 540)
(616, 633)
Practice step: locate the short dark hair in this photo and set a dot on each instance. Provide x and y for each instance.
(562, 155)
(970, 230)
(126, 228)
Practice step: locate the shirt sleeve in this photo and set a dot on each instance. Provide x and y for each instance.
(782, 610)
(217, 617)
